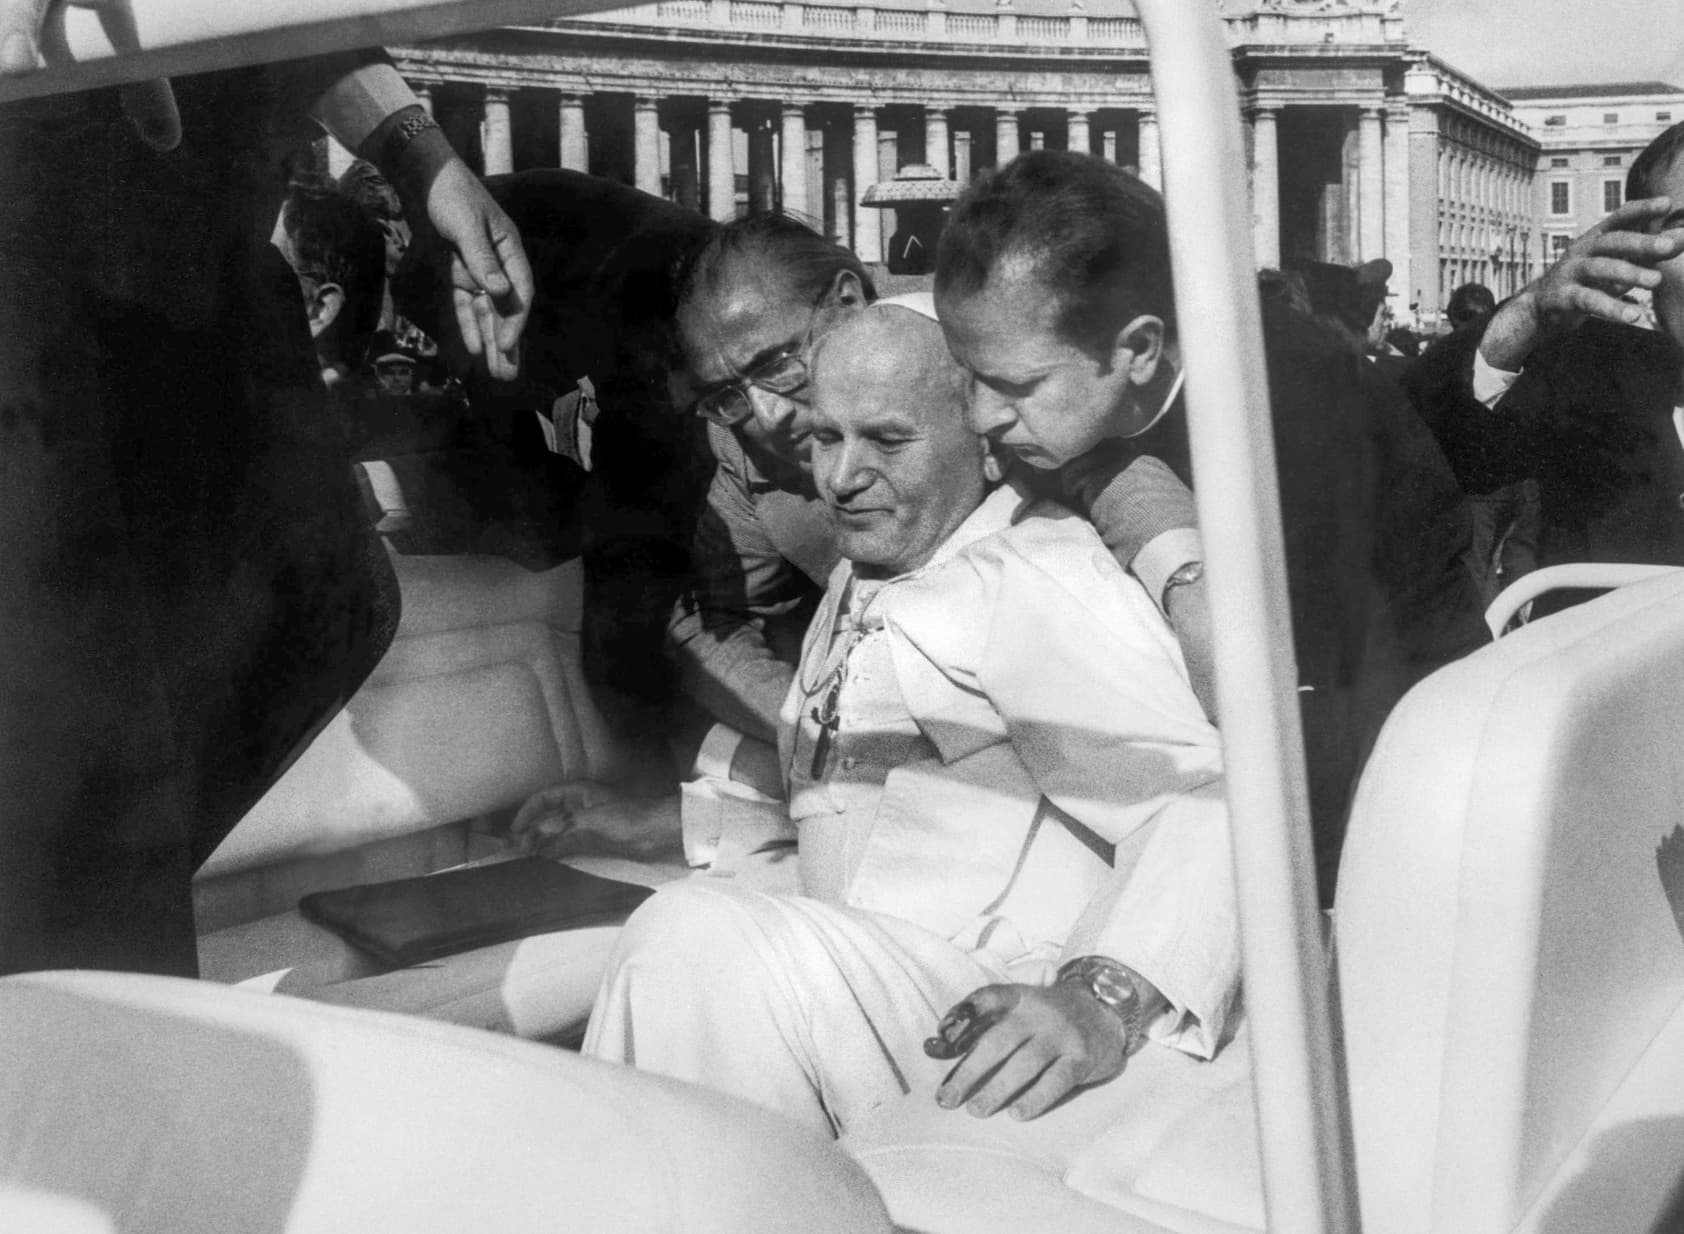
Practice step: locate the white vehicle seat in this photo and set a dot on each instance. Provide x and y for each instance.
(1510, 944)
(157, 1105)
(1508, 932)
(479, 702)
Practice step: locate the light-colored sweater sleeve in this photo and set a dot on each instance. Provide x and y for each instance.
(739, 583)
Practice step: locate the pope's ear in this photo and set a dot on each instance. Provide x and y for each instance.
(1139, 348)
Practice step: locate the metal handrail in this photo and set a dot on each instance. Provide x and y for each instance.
(1309, 1177)
(1586, 575)
(1303, 1117)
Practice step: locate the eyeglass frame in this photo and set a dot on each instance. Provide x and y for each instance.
(800, 372)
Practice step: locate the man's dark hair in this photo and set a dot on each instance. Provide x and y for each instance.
(1094, 233)
(1470, 302)
(335, 241)
(1643, 179)
(806, 258)
(363, 184)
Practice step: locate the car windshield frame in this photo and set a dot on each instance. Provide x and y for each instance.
(1304, 1129)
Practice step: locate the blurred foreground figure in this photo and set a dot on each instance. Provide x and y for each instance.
(188, 588)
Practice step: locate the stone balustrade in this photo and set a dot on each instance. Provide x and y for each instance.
(1342, 24)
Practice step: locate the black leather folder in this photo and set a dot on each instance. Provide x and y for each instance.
(412, 920)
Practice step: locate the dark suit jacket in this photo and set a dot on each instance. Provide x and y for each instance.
(1591, 419)
(1376, 529)
(604, 258)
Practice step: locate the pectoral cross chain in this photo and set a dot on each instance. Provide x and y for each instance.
(826, 716)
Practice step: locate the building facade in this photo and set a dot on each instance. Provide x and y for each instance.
(1358, 144)
(1587, 137)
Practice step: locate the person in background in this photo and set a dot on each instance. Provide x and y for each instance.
(337, 252)
(1563, 386)
(1469, 304)
(1053, 287)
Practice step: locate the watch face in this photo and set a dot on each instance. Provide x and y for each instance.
(1112, 987)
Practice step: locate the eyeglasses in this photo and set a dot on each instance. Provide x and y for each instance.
(783, 374)
(730, 406)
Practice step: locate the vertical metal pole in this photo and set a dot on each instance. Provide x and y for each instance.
(1309, 1183)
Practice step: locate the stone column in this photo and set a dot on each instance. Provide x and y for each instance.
(1371, 186)
(686, 183)
(1108, 145)
(1265, 187)
(575, 149)
(722, 174)
(496, 139)
(424, 96)
(1398, 202)
(868, 235)
(935, 140)
(762, 166)
(1079, 136)
(792, 160)
(888, 153)
(1151, 166)
(646, 146)
(1005, 136)
(962, 156)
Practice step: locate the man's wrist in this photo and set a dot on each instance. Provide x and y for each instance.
(1124, 993)
(410, 150)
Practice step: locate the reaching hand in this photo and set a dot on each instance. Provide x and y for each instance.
(584, 818)
(491, 279)
(25, 41)
(1026, 1047)
(1617, 255)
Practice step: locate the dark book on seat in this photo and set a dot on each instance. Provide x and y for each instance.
(412, 920)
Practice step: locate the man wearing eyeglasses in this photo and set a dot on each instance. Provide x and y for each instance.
(752, 303)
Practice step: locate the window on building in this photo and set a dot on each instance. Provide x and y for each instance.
(1555, 122)
(1613, 160)
(1610, 117)
(1561, 197)
(1613, 195)
(1558, 162)
(1558, 245)
(1665, 117)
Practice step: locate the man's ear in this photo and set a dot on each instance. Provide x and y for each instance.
(324, 305)
(1139, 348)
(846, 291)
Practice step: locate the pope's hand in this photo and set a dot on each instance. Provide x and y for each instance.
(1027, 1047)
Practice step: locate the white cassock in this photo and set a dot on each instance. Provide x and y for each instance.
(995, 763)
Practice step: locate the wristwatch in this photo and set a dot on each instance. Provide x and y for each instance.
(1192, 572)
(1118, 988)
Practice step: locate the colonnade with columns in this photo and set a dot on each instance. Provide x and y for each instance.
(815, 158)
(811, 158)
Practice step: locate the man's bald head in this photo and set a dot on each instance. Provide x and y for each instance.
(892, 457)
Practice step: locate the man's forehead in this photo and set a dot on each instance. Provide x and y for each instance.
(727, 327)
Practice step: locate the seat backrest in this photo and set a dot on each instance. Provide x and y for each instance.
(157, 1105)
(480, 701)
(1511, 900)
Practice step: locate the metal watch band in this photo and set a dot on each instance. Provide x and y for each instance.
(1116, 988)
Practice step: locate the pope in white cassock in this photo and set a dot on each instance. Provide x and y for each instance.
(1013, 841)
